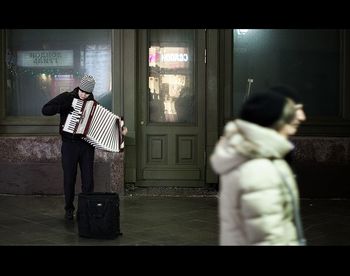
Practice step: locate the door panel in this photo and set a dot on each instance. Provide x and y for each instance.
(171, 114)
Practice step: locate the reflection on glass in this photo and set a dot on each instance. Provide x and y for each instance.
(307, 60)
(44, 63)
(169, 85)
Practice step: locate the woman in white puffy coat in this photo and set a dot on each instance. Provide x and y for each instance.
(258, 198)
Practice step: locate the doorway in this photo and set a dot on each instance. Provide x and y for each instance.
(171, 108)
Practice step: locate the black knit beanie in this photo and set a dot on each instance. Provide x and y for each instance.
(263, 108)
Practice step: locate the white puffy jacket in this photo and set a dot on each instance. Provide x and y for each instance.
(257, 186)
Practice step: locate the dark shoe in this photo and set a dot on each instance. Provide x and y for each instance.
(69, 215)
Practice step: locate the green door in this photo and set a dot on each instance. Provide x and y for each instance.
(171, 108)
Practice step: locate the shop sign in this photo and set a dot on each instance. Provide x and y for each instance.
(52, 58)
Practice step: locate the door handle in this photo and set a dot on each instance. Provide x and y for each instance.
(142, 123)
(249, 86)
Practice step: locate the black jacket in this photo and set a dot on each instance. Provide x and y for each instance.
(62, 104)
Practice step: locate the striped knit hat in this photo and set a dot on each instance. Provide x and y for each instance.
(87, 84)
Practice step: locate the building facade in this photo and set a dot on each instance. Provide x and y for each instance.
(176, 88)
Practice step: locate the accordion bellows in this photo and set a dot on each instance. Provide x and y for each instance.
(99, 126)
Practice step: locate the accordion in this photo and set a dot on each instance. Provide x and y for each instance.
(99, 126)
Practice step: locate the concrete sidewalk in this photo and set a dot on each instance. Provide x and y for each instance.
(154, 220)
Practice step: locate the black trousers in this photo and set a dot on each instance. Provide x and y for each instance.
(76, 152)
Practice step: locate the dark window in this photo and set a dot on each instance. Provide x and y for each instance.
(308, 60)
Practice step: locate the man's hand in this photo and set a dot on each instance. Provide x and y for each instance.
(124, 130)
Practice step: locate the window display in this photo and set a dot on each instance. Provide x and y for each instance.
(170, 84)
(44, 63)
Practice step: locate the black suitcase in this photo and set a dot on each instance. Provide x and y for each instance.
(98, 215)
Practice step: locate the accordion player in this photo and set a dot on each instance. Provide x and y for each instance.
(98, 126)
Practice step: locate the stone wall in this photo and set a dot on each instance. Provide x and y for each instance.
(322, 165)
(32, 165)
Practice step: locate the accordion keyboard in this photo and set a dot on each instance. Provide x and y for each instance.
(74, 117)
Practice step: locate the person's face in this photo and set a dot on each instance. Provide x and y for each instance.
(82, 95)
(292, 128)
(299, 116)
